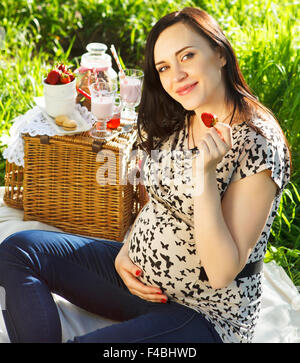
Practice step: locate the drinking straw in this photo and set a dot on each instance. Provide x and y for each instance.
(114, 53)
(86, 95)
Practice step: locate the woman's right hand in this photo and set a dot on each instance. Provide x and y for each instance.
(129, 273)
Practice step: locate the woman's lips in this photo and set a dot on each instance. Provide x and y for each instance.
(182, 91)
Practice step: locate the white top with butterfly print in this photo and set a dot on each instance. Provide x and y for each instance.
(163, 245)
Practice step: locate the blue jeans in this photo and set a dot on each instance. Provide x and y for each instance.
(35, 263)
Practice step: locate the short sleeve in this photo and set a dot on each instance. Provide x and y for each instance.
(260, 153)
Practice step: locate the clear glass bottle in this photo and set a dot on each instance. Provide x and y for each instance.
(94, 64)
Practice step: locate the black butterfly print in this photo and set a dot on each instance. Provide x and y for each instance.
(176, 229)
(145, 257)
(167, 259)
(178, 243)
(198, 288)
(166, 272)
(187, 294)
(257, 146)
(138, 261)
(223, 184)
(235, 149)
(182, 273)
(252, 157)
(152, 235)
(179, 279)
(157, 273)
(242, 294)
(257, 293)
(154, 253)
(181, 258)
(227, 310)
(154, 264)
(217, 295)
(145, 238)
(132, 245)
(164, 246)
(187, 285)
(169, 283)
(249, 165)
(243, 175)
(192, 252)
(180, 201)
(138, 243)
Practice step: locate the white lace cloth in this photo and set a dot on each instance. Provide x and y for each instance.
(34, 122)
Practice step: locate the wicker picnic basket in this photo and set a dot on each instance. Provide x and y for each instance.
(67, 184)
(13, 180)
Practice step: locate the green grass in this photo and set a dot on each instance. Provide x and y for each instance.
(264, 34)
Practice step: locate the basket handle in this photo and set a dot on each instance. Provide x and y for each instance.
(44, 139)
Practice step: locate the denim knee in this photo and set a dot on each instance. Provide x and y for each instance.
(16, 242)
(16, 239)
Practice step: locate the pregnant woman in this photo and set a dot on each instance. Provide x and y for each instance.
(190, 269)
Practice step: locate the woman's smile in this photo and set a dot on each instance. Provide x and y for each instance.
(183, 91)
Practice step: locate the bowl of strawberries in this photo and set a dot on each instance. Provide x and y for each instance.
(60, 91)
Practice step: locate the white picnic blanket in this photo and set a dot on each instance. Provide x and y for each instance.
(279, 317)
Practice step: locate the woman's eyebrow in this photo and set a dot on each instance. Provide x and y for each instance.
(177, 52)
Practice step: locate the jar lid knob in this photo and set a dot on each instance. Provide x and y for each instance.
(98, 48)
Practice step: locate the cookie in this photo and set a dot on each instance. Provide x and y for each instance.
(69, 125)
(59, 120)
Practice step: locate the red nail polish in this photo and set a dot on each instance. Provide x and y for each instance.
(159, 293)
(164, 300)
(138, 272)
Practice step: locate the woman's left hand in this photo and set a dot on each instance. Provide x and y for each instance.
(213, 147)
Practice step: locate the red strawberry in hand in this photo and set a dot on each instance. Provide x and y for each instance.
(210, 120)
(53, 77)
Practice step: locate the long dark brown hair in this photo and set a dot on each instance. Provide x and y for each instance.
(160, 115)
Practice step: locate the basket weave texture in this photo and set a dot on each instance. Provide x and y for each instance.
(13, 194)
(72, 187)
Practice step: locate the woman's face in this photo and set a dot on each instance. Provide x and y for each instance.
(189, 69)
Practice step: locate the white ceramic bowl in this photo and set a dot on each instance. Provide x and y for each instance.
(60, 98)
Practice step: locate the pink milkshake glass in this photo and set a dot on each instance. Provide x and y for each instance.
(103, 106)
(130, 92)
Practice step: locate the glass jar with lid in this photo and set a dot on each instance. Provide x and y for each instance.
(95, 64)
